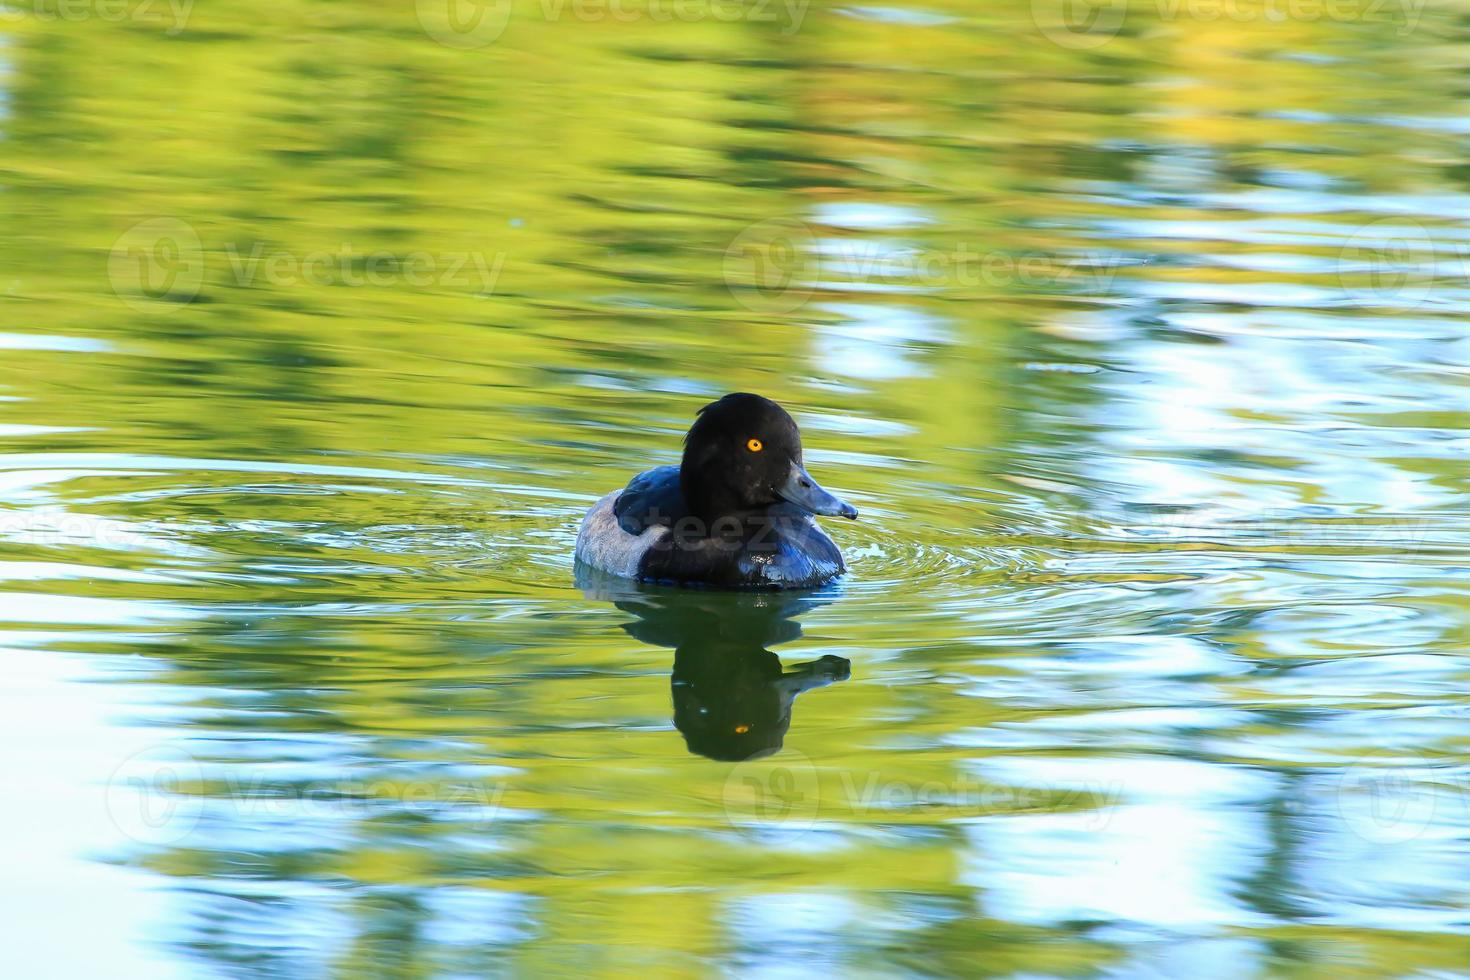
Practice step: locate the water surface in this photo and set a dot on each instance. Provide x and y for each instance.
(1139, 344)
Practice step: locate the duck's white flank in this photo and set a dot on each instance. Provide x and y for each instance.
(602, 543)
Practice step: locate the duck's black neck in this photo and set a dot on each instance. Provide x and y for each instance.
(705, 497)
(709, 501)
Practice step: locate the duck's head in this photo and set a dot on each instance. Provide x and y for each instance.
(743, 453)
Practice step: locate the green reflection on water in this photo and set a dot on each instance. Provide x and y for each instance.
(1142, 353)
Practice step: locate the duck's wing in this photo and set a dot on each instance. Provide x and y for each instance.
(651, 499)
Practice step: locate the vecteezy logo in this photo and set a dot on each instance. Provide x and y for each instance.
(1079, 24)
(780, 792)
(157, 264)
(1385, 797)
(463, 23)
(1388, 262)
(772, 266)
(153, 795)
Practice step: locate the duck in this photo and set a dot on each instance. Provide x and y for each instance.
(738, 512)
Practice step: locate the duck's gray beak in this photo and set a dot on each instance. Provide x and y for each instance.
(800, 489)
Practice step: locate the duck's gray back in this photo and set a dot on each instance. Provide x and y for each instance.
(602, 542)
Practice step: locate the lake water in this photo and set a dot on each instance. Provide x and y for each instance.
(1137, 334)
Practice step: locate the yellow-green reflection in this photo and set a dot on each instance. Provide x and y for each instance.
(1142, 354)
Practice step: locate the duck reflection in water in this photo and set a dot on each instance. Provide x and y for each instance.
(732, 697)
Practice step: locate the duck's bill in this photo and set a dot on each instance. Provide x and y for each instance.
(800, 489)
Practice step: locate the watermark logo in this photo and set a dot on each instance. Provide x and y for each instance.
(777, 265)
(1079, 24)
(1384, 798)
(171, 15)
(1365, 534)
(472, 24)
(153, 795)
(347, 265)
(772, 266)
(466, 24)
(1083, 24)
(787, 792)
(777, 792)
(160, 264)
(157, 264)
(1391, 261)
(162, 794)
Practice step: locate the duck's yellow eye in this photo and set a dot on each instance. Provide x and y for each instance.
(742, 729)
(755, 445)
